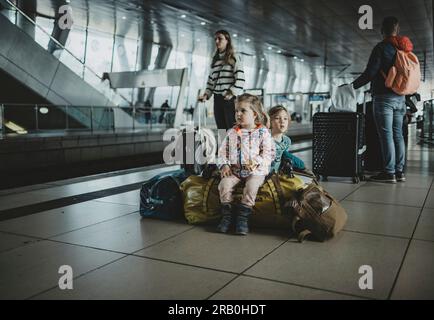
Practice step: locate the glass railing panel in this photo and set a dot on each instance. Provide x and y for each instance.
(80, 117)
(103, 119)
(24, 119)
(42, 37)
(20, 118)
(154, 119)
(51, 118)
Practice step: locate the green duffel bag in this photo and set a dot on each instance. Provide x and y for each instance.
(202, 201)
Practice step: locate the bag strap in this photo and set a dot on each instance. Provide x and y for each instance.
(276, 197)
(275, 179)
(208, 186)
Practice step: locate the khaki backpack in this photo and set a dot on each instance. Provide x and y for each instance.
(316, 214)
(404, 76)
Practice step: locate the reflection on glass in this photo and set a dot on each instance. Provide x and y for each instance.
(42, 37)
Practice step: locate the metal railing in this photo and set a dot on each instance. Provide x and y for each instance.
(76, 65)
(60, 119)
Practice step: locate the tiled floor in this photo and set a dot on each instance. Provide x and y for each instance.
(115, 254)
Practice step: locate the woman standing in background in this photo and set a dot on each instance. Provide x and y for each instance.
(225, 81)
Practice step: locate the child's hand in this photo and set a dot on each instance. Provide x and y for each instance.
(251, 166)
(202, 98)
(225, 171)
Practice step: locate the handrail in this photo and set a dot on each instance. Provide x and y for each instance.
(84, 106)
(64, 48)
(96, 118)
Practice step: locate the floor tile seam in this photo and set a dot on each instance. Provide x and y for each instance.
(222, 287)
(87, 246)
(398, 185)
(377, 234)
(242, 272)
(21, 245)
(358, 187)
(184, 264)
(109, 250)
(91, 225)
(408, 245)
(384, 203)
(77, 277)
(51, 239)
(308, 287)
(163, 240)
(423, 240)
(401, 184)
(66, 232)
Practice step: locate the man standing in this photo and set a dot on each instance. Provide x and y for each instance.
(148, 111)
(389, 108)
(164, 108)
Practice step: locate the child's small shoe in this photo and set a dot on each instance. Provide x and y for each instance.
(226, 221)
(242, 226)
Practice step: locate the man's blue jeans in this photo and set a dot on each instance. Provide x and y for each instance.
(389, 111)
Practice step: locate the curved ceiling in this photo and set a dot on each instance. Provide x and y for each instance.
(319, 31)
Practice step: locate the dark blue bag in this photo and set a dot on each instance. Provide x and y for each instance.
(161, 197)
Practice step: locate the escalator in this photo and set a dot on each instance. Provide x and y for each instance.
(33, 75)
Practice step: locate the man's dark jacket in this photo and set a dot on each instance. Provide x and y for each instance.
(382, 58)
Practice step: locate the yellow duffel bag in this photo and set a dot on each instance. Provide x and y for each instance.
(202, 201)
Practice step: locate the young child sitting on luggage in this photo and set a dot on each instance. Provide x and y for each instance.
(245, 155)
(279, 122)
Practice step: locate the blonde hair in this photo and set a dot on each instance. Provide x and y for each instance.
(256, 105)
(276, 109)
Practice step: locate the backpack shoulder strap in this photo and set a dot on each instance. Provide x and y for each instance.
(384, 45)
(275, 179)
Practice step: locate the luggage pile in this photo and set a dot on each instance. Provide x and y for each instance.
(293, 202)
(202, 203)
(283, 202)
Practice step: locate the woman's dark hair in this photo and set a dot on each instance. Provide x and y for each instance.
(229, 57)
(389, 26)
